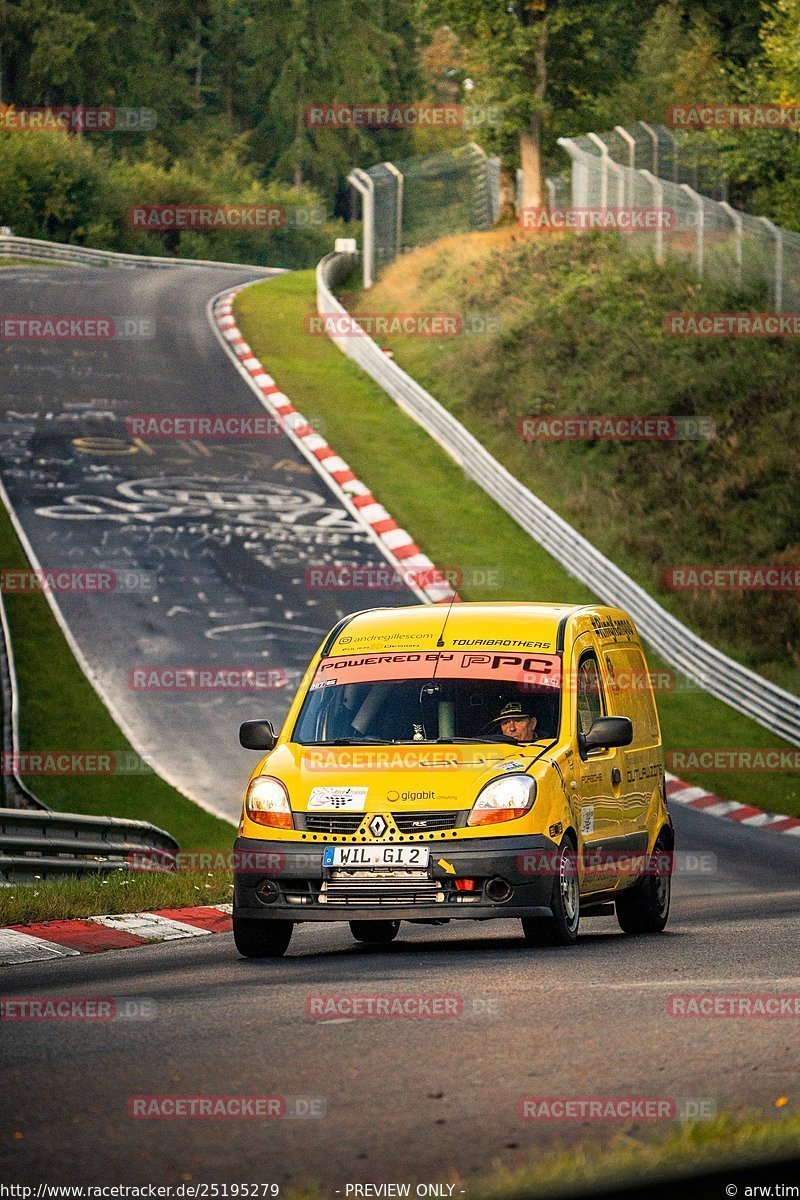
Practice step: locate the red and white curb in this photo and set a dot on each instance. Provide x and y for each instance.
(714, 806)
(63, 939)
(395, 543)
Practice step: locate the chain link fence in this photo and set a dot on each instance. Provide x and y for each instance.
(411, 203)
(651, 169)
(673, 176)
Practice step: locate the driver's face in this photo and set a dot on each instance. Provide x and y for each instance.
(519, 728)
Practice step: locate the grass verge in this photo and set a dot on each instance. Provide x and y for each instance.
(60, 710)
(120, 891)
(458, 524)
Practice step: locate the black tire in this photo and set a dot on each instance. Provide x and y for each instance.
(562, 928)
(644, 908)
(374, 933)
(262, 939)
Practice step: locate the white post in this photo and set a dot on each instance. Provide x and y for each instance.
(620, 174)
(736, 218)
(658, 200)
(777, 233)
(630, 141)
(364, 184)
(604, 158)
(700, 216)
(580, 174)
(551, 193)
(399, 232)
(649, 129)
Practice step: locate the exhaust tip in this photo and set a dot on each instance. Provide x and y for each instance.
(498, 890)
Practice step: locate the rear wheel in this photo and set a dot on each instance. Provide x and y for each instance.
(562, 928)
(262, 939)
(375, 933)
(644, 908)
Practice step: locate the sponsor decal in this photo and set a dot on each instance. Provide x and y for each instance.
(544, 669)
(337, 799)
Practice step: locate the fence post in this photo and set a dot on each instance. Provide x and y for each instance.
(630, 142)
(551, 193)
(777, 233)
(580, 175)
(649, 129)
(604, 157)
(658, 200)
(736, 218)
(363, 184)
(701, 220)
(399, 206)
(619, 171)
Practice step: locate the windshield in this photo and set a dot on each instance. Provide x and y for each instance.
(429, 697)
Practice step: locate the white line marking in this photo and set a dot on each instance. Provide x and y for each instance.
(150, 925)
(16, 947)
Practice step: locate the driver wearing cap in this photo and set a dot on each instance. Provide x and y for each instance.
(515, 723)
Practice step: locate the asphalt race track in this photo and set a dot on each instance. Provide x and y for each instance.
(408, 1099)
(396, 1100)
(209, 540)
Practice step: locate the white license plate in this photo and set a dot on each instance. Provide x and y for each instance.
(377, 856)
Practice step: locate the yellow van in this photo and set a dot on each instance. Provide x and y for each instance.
(488, 761)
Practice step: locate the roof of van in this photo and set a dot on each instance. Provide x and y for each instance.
(469, 626)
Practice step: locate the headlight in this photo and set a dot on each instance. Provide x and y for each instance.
(267, 803)
(503, 800)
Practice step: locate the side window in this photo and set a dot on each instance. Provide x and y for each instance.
(590, 693)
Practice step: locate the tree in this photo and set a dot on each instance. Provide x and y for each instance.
(539, 60)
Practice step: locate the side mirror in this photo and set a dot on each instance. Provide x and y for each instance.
(606, 732)
(257, 735)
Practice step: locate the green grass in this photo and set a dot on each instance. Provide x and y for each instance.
(60, 710)
(117, 892)
(453, 521)
(692, 1148)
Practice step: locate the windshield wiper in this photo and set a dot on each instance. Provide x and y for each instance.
(348, 741)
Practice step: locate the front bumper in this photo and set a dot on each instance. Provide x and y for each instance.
(299, 888)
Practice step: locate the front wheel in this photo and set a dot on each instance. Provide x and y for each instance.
(562, 928)
(644, 908)
(262, 939)
(374, 933)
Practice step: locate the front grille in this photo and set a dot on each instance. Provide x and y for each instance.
(330, 822)
(363, 892)
(419, 822)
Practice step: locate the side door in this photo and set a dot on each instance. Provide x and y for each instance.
(598, 773)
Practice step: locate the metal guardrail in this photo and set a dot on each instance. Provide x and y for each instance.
(729, 681)
(21, 247)
(38, 844)
(13, 792)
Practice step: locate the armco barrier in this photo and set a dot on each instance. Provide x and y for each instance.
(13, 792)
(35, 842)
(20, 247)
(49, 843)
(744, 690)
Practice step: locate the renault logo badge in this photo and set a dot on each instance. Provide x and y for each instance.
(378, 826)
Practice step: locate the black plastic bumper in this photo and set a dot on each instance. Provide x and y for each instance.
(283, 881)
